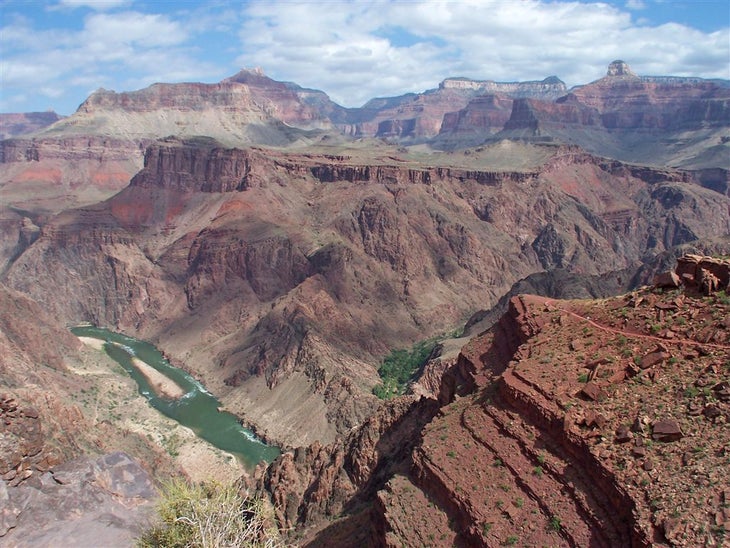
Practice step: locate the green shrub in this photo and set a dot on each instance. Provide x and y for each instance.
(555, 524)
(400, 366)
(208, 515)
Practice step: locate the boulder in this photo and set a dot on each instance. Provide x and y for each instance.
(711, 411)
(687, 265)
(594, 392)
(666, 430)
(594, 420)
(668, 280)
(707, 281)
(653, 358)
(623, 434)
(722, 391)
(708, 273)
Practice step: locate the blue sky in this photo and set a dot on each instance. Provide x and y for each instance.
(54, 54)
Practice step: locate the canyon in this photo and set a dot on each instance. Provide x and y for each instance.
(278, 246)
(290, 274)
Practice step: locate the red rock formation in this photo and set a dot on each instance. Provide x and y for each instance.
(287, 261)
(622, 116)
(47, 175)
(186, 169)
(689, 270)
(434, 112)
(628, 101)
(519, 457)
(481, 116)
(247, 91)
(311, 485)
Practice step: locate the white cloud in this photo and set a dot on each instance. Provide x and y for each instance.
(132, 28)
(114, 50)
(99, 5)
(352, 50)
(343, 48)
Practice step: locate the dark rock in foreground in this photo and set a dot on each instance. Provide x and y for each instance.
(84, 502)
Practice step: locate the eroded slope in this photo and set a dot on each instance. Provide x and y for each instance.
(570, 423)
(282, 278)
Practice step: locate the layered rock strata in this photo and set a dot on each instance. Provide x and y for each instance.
(659, 121)
(272, 270)
(570, 423)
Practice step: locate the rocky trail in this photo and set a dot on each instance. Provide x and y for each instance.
(634, 334)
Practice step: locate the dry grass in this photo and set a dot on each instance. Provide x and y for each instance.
(209, 515)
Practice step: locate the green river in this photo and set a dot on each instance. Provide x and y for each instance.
(197, 409)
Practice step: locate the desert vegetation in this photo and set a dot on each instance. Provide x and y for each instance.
(208, 514)
(400, 366)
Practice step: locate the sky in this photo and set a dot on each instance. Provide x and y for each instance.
(54, 54)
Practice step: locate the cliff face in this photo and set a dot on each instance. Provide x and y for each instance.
(575, 424)
(92, 154)
(284, 277)
(628, 105)
(547, 89)
(246, 93)
(633, 102)
(42, 175)
(310, 486)
(674, 121)
(483, 115)
(185, 169)
(425, 115)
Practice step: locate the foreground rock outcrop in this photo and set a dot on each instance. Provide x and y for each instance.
(63, 477)
(85, 502)
(574, 423)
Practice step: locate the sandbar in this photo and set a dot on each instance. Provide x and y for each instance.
(162, 385)
(97, 344)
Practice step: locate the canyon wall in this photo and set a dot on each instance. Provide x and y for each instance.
(281, 279)
(655, 121)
